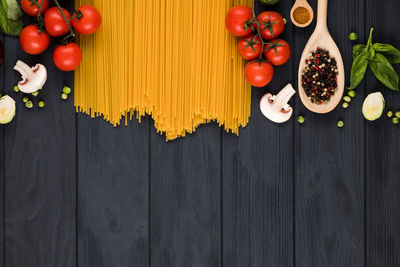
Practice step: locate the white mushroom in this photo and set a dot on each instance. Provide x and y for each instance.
(33, 78)
(276, 107)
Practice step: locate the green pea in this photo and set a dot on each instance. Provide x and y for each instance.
(25, 99)
(397, 114)
(390, 114)
(395, 120)
(353, 36)
(41, 104)
(16, 89)
(347, 98)
(64, 96)
(340, 124)
(35, 93)
(345, 105)
(352, 93)
(29, 104)
(300, 119)
(66, 90)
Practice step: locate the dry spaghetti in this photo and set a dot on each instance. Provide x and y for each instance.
(172, 59)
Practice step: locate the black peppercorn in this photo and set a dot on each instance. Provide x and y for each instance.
(319, 77)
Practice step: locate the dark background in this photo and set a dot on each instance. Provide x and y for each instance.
(77, 192)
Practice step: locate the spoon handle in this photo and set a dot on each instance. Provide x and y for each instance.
(322, 13)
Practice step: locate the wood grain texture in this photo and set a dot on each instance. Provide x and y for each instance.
(382, 152)
(2, 129)
(329, 162)
(185, 204)
(78, 192)
(257, 188)
(113, 173)
(39, 170)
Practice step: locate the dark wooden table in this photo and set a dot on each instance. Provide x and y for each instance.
(77, 192)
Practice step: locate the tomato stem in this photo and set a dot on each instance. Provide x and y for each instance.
(39, 16)
(72, 33)
(259, 35)
(34, 3)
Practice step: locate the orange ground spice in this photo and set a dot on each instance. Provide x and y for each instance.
(301, 15)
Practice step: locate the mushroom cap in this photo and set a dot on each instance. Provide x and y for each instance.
(271, 112)
(33, 78)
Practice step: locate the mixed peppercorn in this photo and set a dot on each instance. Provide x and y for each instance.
(319, 77)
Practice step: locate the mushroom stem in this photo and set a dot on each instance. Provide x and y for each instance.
(282, 98)
(23, 68)
(276, 107)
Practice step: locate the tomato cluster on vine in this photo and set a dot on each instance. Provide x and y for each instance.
(259, 43)
(56, 22)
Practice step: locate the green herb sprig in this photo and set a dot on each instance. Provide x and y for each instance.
(379, 57)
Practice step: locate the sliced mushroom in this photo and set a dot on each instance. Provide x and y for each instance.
(33, 78)
(276, 107)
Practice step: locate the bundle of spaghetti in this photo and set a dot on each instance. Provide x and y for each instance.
(171, 59)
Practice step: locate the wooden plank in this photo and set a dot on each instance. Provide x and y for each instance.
(2, 129)
(382, 152)
(185, 209)
(329, 162)
(113, 173)
(258, 181)
(40, 170)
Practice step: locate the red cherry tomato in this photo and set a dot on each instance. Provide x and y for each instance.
(236, 18)
(32, 41)
(33, 10)
(250, 47)
(67, 57)
(54, 22)
(277, 52)
(89, 22)
(259, 74)
(271, 24)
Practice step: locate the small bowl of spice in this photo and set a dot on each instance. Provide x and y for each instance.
(302, 13)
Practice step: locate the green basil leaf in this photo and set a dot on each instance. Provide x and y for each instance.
(389, 51)
(385, 72)
(372, 53)
(358, 69)
(12, 9)
(357, 49)
(8, 26)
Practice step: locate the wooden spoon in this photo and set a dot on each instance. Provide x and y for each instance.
(321, 38)
(306, 5)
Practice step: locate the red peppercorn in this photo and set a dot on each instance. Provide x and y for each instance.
(318, 55)
(306, 61)
(316, 68)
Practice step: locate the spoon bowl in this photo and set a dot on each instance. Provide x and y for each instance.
(321, 38)
(306, 5)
